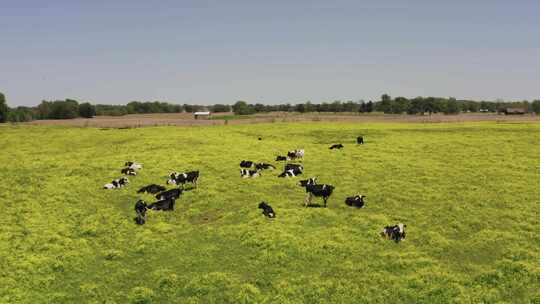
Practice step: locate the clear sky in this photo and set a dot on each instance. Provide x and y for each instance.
(205, 52)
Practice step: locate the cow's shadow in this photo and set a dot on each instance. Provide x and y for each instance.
(312, 205)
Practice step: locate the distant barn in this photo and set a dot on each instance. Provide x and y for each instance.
(202, 115)
(515, 111)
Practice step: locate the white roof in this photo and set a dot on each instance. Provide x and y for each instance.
(202, 113)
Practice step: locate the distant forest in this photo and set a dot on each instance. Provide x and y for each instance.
(70, 108)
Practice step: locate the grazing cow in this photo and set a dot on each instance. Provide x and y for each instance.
(281, 158)
(153, 188)
(182, 178)
(133, 165)
(309, 181)
(395, 233)
(267, 210)
(355, 201)
(323, 191)
(291, 172)
(140, 209)
(295, 154)
(165, 205)
(360, 140)
(336, 146)
(246, 164)
(117, 183)
(245, 173)
(264, 166)
(173, 193)
(128, 171)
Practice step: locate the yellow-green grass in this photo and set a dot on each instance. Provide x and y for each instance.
(468, 193)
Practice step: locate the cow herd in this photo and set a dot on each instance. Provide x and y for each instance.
(165, 199)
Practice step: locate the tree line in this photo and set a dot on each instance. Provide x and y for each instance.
(70, 108)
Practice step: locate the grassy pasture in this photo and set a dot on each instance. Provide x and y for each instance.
(468, 192)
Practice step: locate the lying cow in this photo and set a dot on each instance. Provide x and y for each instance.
(182, 178)
(173, 193)
(291, 172)
(282, 158)
(140, 209)
(132, 165)
(355, 201)
(264, 166)
(295, 154)
(245, 173)
(360, 140)
(293, 166)
(153, 189)
(128, 171)
(336, 146)
(267, 210)
(323, 191)
(309, 181)
(246, 164)
(117, 183)
(165, 205)
(396, 232)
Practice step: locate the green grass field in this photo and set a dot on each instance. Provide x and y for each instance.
(469, 194)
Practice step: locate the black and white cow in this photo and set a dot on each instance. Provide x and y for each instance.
(153, 189)
(281, 158)
(245, 173)
(323, 191)
(309, 181)
(295, 154)
(336, 146)
(117, 183)
(264, 166)
(128, 171)
(246, 164)
(165, 205)
(182, 178)
(355, 201)
(291, 172)
(360, 140)
(293, 166)
(267, 210)
(140, 209)
(132, 165)
(395, 233)
(173, 193)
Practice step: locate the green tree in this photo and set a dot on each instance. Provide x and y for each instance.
(87, 110)
(242, 108)
(536, 106)
(386, 104)
(3, 108)
(452, 107)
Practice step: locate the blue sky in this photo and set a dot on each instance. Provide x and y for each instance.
(209, 52)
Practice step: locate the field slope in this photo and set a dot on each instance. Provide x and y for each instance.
(468, 192)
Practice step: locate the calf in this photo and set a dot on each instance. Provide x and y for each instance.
(133, 165)
(246, 164)
(355, 201)
(140, 209)
(360, 140)
(291, 172)
(153, 188)
(309, 181)
(128, 171)
(245, 173)
(117, 183)
(165, 205)
(264, 166)
(395, 233)
(182, 178)
(323, 191)
(173, 193)
(267, 210)
(281, 158)
(294, 154)
(336, 146)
